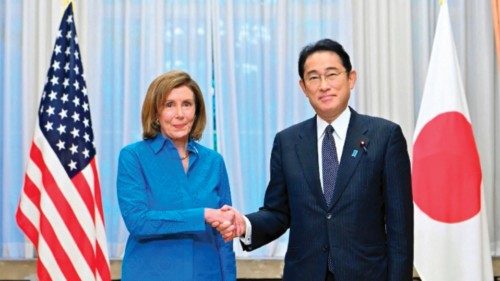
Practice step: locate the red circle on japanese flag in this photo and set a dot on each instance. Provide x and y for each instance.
(446, 173)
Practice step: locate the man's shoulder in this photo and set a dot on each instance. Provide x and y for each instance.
(297, 127)
(373, 121)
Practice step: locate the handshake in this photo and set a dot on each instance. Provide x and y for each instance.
(227, 220)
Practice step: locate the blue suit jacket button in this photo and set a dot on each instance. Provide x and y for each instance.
(328, 216)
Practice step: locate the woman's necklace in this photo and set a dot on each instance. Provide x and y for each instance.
(184, 157)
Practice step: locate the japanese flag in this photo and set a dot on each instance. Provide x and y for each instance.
(451, 235)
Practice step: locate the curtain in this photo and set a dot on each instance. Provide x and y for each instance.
(244, 56)
(383, 59)
(495, 9)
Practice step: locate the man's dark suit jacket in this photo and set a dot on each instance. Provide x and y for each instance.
(368, 230)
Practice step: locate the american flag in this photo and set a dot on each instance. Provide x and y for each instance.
(60, 208)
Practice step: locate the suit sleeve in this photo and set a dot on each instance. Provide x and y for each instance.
(143, 222)
(226, 253)
(273, 219)
(399, 208)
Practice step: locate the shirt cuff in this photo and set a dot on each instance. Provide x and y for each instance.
(247, 239)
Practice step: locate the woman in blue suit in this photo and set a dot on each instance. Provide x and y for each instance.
(169, 186)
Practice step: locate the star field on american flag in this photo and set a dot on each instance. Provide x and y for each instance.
(64, 113)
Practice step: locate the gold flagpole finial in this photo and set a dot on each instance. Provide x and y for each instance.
(66, 2)
(441, 2)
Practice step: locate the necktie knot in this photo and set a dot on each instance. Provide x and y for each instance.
(329, 130)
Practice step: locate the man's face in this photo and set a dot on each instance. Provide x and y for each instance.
(327, 84)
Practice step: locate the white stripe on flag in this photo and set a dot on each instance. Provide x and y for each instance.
(67, 187)
(46, 257)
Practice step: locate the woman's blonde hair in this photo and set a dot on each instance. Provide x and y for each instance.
(156, 96)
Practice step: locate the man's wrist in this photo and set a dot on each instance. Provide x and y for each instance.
(246, 238)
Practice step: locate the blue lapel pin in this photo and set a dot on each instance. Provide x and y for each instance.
(354, 153)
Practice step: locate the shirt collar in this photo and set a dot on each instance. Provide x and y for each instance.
(159, 142)
(340, 124)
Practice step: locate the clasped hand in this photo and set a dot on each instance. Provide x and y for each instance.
(227, 220)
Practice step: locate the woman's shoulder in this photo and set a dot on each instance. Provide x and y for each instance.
(137, 148)
(205, 151)
(135, 145)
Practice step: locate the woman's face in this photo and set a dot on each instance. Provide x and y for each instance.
(177, 115)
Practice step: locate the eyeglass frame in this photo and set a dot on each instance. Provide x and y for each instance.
(329, 77)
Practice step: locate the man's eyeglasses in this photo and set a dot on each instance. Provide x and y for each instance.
(314, 79)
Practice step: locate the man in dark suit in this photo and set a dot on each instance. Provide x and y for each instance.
(340, 181)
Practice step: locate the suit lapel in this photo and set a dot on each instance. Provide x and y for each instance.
(351, 155)
(307, 152)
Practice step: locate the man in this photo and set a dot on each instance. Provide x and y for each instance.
(343, 190)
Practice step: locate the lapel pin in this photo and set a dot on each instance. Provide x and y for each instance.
(354, 153)
(364, 144)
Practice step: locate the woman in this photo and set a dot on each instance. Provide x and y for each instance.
(169, 186)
